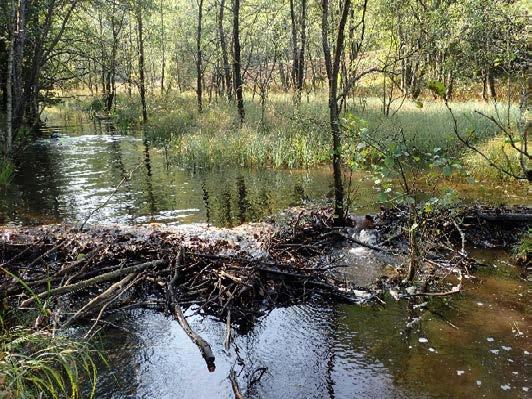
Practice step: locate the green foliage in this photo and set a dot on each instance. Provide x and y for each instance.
(6, 172)
(438, 88)
(35, 363)
(95, 106)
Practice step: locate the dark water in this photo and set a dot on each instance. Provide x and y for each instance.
(67, 178)
(477, 347)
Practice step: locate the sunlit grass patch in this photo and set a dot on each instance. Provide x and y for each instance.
(281, 135)
(500, 153)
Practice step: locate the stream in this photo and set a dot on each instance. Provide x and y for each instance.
(474, 345)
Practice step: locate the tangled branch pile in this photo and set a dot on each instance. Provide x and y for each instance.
(74, 277)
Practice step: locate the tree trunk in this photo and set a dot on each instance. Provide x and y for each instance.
(333, 67)
(301, 52)
(294, 69)
(199, 87)
(491, 85)
(163, 63)
(8, 140)
(225, 58)
(484, 86)
(237, 61)
(450, 86)
(19, 42)
(142, 79)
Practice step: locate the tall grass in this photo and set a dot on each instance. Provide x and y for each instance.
(36, 364)
(288, 136)
(500, 152)
(38, 361)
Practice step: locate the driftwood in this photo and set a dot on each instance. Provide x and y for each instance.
(105, 296)
(202, 345)
(234, 385)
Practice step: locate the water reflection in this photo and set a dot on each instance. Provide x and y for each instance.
(66, 178)
(148, 189)
(320, 351)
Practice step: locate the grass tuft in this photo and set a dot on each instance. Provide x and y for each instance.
(285, 136)
(501, 153)
(39, 364)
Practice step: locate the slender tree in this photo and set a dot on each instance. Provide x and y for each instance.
(332, 65)
(223, 48)
(237, 74)
(142, 78)
(199, 77)
(163, 47)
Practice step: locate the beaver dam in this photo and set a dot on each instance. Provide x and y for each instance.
(223, 286)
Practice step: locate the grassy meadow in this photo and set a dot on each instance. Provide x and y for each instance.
(284, 136)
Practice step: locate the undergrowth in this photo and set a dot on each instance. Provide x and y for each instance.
(37, 363)
(286, 137)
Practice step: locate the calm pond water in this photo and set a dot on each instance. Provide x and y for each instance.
(477, 344)
(65, 178)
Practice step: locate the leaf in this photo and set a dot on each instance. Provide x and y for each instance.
(437, 87)
(383, 197)
(389, 162)
(447, 170)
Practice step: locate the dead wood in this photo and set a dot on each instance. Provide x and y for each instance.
(103, 298)
(92, 281)
(104, 270)
(234, 385)
(202, 345)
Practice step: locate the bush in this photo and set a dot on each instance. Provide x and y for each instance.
(500, 153)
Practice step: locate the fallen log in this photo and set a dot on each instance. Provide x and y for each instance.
(234, 385)
(507, 217)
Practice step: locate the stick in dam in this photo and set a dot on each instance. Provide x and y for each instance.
(202, 345)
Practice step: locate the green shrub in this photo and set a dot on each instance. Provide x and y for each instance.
(40, 364)
(500, 153)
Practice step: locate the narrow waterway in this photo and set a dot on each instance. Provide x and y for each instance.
(473, 345)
